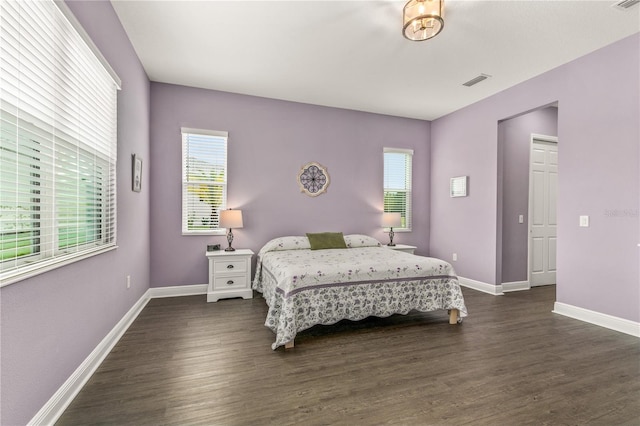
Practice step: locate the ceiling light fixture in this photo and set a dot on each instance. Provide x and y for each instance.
(422, 19)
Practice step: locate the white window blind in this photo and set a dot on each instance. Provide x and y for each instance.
(204, 180)
(58, 128)
(397, 184)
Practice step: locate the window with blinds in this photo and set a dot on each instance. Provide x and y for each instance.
(397, 184)
(58, 127)
(204, 180)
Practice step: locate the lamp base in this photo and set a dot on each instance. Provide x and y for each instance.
(230, 240)
(391, 234)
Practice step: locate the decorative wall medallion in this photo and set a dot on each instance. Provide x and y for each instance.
(313, 179)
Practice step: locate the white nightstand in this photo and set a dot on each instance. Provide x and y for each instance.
(402, 247)
(229, 274)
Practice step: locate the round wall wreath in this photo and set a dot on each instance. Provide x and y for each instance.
(313, 179)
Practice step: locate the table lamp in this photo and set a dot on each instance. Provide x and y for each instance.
(389, 220)
(230, 219)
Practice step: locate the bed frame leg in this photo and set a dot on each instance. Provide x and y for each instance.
(288, 345)
(453, 316)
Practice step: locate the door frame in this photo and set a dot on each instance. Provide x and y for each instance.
(547, 139)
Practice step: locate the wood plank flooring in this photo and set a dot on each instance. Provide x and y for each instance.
(511, 362)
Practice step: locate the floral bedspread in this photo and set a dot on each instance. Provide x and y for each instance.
(306, 287)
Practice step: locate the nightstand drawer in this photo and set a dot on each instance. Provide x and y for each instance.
(230, 282)
(229, 266)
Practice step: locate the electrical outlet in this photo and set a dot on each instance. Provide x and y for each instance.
(455, 256)
(128, 281)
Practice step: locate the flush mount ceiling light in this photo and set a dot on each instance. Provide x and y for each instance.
(422, 19)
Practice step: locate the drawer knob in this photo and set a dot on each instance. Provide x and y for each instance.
(229, 266)
(229, 282)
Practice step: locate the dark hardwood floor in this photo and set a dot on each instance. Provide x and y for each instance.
(511, 362)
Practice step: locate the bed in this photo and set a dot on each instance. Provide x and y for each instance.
(304, 287)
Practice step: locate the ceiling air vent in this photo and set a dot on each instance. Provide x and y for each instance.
(478, 79)
(625, 4)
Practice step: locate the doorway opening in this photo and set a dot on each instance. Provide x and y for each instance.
(515, 212)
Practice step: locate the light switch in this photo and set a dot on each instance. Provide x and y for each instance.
(521, 218)
(584, 221)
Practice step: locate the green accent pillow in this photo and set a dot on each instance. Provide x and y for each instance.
(326, 240)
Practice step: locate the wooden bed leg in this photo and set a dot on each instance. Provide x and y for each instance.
(453, 316)
(288, 345)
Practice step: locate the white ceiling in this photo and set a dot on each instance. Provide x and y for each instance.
(351, 54)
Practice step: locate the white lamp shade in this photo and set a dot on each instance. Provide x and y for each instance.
(391, 220)
(231, 219)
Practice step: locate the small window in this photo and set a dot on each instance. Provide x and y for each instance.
(397, 184)
(204, 181)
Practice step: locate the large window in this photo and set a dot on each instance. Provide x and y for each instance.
(58, 126)
(397, 184)
(204, 180)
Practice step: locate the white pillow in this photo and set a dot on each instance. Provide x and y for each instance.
(358, 240)
(286, 243)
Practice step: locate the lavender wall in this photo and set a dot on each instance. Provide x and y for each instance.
(514, 140)
(52, 322)
(599, 133)
(466, 146)
(598, 129)
(269, 140)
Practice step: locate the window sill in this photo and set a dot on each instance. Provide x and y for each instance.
(207, 232)
(46, 266)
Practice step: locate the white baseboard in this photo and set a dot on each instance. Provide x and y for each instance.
(60, 400)
(175, 291)
(496, 290)
(603, 320)
(516, 286)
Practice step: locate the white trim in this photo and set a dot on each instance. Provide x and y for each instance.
(219, 231)
(544, 138)
(540, 285)
(496, 290)
(397, 150)
(179, 290)
(53, 409)
(603, 320)
(516, 286)
(216, 133)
